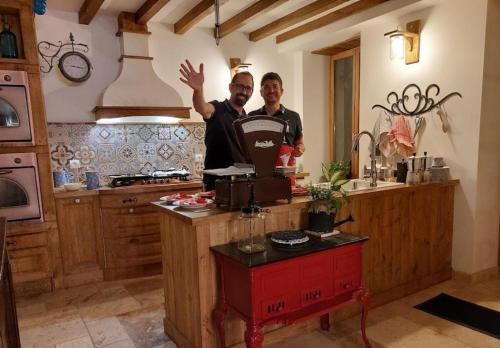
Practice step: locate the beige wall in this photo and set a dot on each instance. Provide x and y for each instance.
(488, 172)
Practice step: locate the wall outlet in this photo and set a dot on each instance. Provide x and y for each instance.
(198, 157)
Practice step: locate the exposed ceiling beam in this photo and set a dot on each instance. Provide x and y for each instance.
(330, 18)
(295, 17)
(242, 18)
(196, 14)
(148, 10)
(88, 11)
(338, 48)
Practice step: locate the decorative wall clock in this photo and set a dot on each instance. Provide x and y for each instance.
(74, 65)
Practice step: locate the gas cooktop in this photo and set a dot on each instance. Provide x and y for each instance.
(157, 177)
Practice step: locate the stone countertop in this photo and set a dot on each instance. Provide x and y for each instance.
(211, 213)
(60, 192)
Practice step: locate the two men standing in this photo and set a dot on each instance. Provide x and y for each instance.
(222, 148)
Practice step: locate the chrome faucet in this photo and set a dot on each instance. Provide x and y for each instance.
(355, 147)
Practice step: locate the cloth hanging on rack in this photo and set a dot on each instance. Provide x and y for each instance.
(400, 136)
(380, 132)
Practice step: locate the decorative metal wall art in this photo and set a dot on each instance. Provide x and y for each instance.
(74, 65)
(424, 102)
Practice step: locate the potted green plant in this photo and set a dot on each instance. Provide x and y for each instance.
(327, 198)
(330, 168)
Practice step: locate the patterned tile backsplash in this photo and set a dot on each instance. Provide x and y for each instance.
(126, 148)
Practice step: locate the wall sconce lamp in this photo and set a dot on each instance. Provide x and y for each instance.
(237, 66)
(406, 44)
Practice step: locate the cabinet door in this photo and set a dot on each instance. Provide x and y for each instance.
(133, 251)
(9, 331)
(130, 222)
(79, 234)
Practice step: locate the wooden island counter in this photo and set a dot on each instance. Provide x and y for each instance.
(409, 227)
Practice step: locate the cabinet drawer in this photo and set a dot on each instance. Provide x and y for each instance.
(278, 305)
(133, 251)
(30, 264)
(347, 262)
(313, 293)
(347, 283)
(133, 221)
(26, 241)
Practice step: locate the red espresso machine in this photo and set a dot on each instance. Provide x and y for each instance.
(260, 138)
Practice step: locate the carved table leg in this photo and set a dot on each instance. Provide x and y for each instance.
(219, 314)
(325, 322)
(253, 335)
(365, 301)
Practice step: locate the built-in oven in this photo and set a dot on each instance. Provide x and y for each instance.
(19, 190)
(16, 124)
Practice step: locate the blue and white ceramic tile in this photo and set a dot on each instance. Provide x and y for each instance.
(136, 148)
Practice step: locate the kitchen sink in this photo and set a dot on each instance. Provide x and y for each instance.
(355, 185)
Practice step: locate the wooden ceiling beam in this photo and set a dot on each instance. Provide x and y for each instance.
(330, 18)
(196, 14)
(88, 11)
(339, 47)
(240, 19)
(148, 10)
(293, 18)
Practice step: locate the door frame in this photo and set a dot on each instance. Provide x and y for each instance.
(355, 53)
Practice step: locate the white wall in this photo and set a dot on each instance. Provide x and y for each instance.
(74, 103)
(67, 102)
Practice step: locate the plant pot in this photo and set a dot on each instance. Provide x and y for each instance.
(321, 222)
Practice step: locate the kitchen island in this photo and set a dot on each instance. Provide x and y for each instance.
(410, 229)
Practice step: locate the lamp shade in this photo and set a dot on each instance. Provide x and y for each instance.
(397, 47)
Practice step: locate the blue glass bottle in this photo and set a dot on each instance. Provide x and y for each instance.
(8, 44)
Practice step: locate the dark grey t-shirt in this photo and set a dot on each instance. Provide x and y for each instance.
(292, 119)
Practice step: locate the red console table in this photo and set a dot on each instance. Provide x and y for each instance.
(279, 286)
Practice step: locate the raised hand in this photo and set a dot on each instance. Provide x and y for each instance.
(192, 78)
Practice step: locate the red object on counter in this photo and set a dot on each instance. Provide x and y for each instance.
(290, 291)
(287, 149)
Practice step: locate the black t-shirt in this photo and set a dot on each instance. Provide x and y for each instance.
(221, 142)
(292, 119)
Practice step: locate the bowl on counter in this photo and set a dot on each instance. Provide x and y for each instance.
(72, 186)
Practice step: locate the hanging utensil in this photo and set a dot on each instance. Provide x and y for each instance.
(444, 119)
(217, 22)
(419, 121)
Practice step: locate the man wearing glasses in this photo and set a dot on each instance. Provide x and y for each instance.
(271, 90)
(222, 147)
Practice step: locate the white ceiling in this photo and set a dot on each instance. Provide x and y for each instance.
(175, 9)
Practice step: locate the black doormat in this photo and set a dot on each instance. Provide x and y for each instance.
(465, 313)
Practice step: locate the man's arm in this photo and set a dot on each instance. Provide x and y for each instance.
(195, 80)
(299, 147)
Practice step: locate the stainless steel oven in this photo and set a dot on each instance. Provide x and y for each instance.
(16, 124)
(19, 190)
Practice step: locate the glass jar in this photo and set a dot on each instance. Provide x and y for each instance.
(253, 228)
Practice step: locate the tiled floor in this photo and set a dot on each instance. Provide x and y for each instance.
(129, 314)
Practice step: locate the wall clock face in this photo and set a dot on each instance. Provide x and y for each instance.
(75, 66)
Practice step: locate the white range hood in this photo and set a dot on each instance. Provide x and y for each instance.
(138, 91)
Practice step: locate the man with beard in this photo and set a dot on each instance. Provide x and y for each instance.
(222, 147)
(271, 90)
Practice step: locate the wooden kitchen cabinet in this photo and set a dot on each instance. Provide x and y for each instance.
(9, 330)
(131, 230)
(80, 239)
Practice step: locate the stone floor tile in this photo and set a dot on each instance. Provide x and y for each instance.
(52, 316)
(83, 342)
(106, 331)
(310, 340)
(169, 344)
(151, 298)
(401, 332)
(144, 285)
(145, 327)
(49, 335)
(122, 344)
(110, 308)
